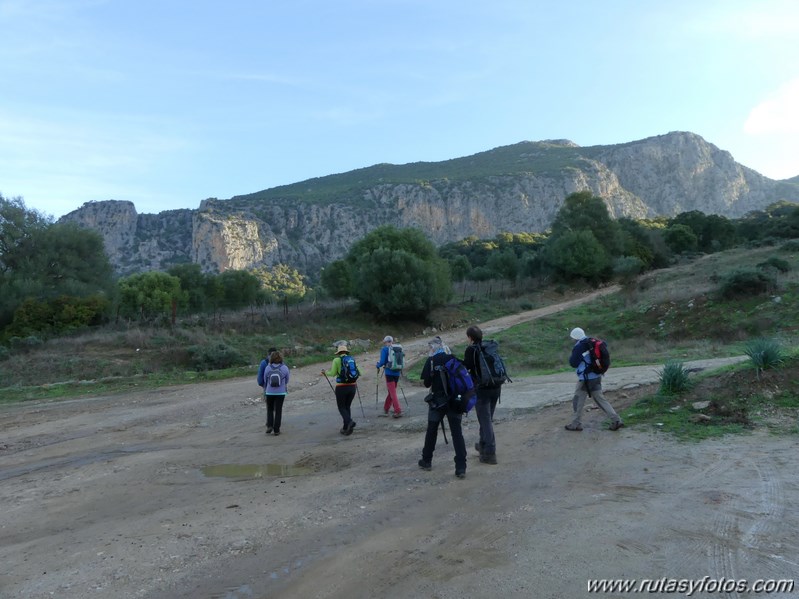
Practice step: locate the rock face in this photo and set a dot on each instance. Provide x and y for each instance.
(513, 189)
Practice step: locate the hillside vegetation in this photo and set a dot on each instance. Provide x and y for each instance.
(684, 312)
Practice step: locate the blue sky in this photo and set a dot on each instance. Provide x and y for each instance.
(167, 102)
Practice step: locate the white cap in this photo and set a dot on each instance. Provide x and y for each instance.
(577, 334)
(388, 339)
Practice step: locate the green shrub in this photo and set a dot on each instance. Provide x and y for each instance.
(790, 246)
(744, 283)
(674, 378)
(214, 357)
(764, 354)
(775, 263)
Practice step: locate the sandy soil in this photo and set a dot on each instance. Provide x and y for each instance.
(179, 493)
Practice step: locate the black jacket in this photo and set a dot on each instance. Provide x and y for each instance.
(431, 377)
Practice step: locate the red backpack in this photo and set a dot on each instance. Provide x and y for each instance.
(599, 354)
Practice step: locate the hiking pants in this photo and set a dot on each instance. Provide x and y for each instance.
(344, 396)
(274, 411)
(580, 395)
(434, 418)
(484, 408)
(392, 401)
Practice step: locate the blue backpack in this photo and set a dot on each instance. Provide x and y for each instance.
(349, 371)
(458, 384)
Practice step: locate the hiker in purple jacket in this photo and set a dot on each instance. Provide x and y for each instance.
(276, 379)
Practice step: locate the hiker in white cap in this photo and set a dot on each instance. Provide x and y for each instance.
(392, 378)
(589, 383)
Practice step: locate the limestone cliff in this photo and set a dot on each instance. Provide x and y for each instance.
(510, 189)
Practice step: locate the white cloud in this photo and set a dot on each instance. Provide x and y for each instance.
(777, 114)
(764, 20)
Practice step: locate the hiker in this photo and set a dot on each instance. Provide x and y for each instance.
(392, 378)
(276, 379)
(445, 347)
(345, 391)
(589, 383)
(262, 366)
(487, 398)
(438, 407)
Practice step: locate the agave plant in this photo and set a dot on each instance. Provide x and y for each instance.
(674, 378)
(764, 354)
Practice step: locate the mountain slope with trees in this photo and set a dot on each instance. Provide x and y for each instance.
(511, 189)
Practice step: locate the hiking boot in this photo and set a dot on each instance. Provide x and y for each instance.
(343, 430)
(614, 426)
(384, 414)
(277, 433)
(397, 414)
(424, 465)
(268, 429)
(488, 459)
(350, 427)
(460, 473)
(574, 427)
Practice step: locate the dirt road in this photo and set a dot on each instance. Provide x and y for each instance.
(178, 493)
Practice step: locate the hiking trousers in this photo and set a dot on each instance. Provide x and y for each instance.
(580, 395)
(434, 418)
(484, 408)
(274, 411)
(392, 401)
(344, 396)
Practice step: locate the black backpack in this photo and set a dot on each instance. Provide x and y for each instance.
(491, 368)
(349, 371)
(599, 356)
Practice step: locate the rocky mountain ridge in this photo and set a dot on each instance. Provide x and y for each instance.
(517, 188)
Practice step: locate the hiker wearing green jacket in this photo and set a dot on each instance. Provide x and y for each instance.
(345, 390)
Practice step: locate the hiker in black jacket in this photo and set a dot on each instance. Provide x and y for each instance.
(438, 408)
(487, 398)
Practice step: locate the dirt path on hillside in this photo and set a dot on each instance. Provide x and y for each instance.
(177, 493)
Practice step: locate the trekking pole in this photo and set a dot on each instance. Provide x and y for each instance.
(359, 400)
(444, 430)
(329, 383)
(403, 395)
(377, 386)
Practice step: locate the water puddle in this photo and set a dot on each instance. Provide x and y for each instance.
(244, 471)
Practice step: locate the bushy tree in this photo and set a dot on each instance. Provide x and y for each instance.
(459, 266)
(398, 273)
(194, 284)
(504, 264)
(681, 238)
(338, 279)
(241, 289)
(583, 211)
(282, 282)
(713, 233)
(579, 255)
(17, 224)
(41, 261)
(148, 295)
